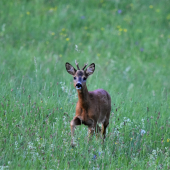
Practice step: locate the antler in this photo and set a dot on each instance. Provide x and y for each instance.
(84, 66)
(77, 65)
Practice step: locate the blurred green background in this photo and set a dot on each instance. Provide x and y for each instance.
(128, 40)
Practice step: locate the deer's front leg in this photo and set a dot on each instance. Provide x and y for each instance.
(76, 121)
(95, 128)
(91, 127)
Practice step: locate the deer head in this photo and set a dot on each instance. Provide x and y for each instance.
(80, 75)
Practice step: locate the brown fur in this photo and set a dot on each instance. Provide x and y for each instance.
(92, 107)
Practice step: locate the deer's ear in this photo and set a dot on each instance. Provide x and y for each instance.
(70, 69)
(90, 69)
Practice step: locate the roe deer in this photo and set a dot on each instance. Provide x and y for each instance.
(93, 106)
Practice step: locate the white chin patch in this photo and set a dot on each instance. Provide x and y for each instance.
(78, 88)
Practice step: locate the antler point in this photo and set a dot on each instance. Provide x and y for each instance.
(77, 65)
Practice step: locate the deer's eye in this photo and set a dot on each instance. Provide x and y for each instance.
(74, 78)
(84, 78)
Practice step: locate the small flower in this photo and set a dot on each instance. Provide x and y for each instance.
(28, 13)
(102, 29)
(83, 17)
(115, 143)
(168, 140)
(94, 157)
(157, 10)
(120, 29)
(53, 33)
(67, 39)
(168, 17)
(150, 6)
(125, 30)
(98, 55)
(61, 108)
(141, 49)
(161, 35)
(63, 29)
(85, 28)
(119, 11)
(60, 55)
(142, 132)
(53, 9)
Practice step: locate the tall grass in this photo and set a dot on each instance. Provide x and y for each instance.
(129, 43)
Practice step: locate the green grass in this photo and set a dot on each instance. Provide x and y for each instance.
(131, 51)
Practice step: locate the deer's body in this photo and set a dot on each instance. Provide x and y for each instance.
(92, 107)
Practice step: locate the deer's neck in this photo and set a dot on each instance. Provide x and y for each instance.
(83, 97)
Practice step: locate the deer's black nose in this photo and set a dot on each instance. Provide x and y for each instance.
(78, 86)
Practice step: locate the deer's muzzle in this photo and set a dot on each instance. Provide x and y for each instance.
(78, 86)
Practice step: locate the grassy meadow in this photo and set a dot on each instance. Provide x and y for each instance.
(128, 40)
